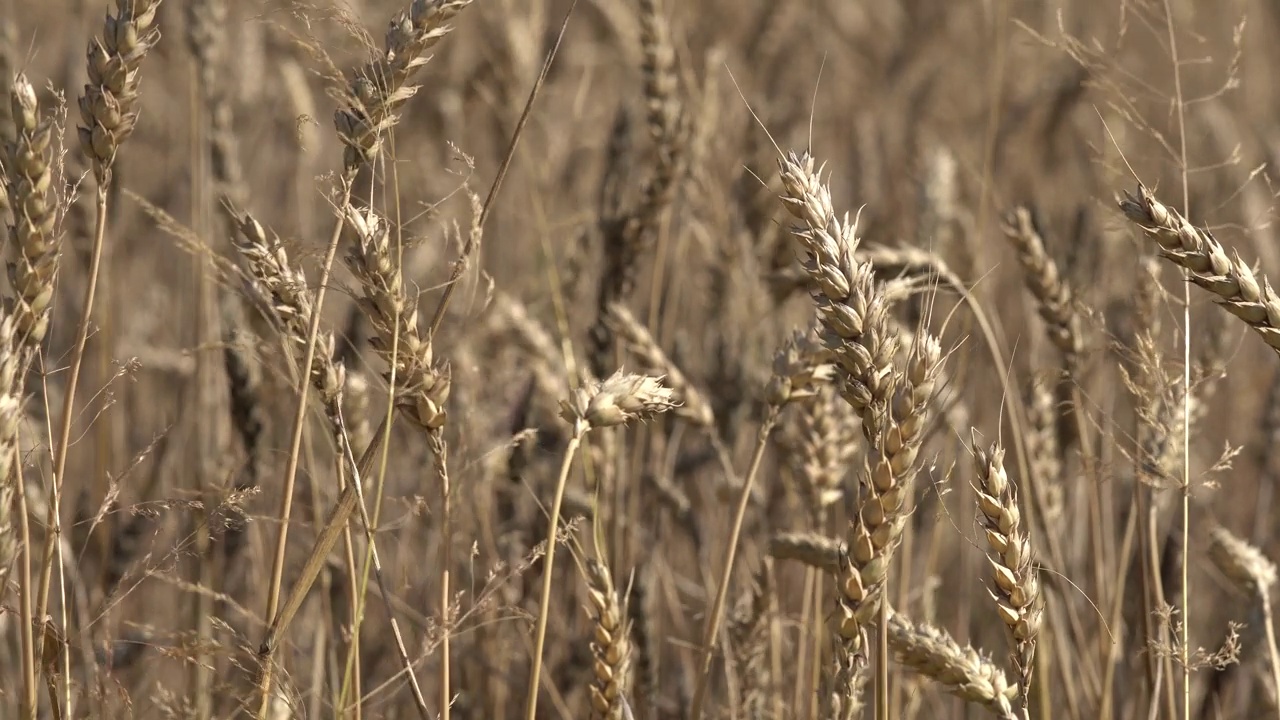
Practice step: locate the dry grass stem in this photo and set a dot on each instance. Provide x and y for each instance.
(621, 399)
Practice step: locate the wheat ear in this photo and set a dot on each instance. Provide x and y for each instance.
(961, 670)
(109, 105)
(1252, 572)
(611, 647)
(29, 182)
(1016, 585)
(382, 86)
(1243, 294)
(857, 332)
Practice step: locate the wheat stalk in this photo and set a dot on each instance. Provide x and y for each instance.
(798, 370)
(620, 399)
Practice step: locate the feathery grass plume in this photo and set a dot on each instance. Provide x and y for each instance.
(611, 647)
(695, 407)
(290, 301)
(422, 384)
(109, 105)
(962, 671)
(1196, 250)
(1052, 293)
(10, 424)
(382, 86)
(1016, 586)
(28, 180)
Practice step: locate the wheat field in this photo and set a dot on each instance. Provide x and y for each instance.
(639, 359)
